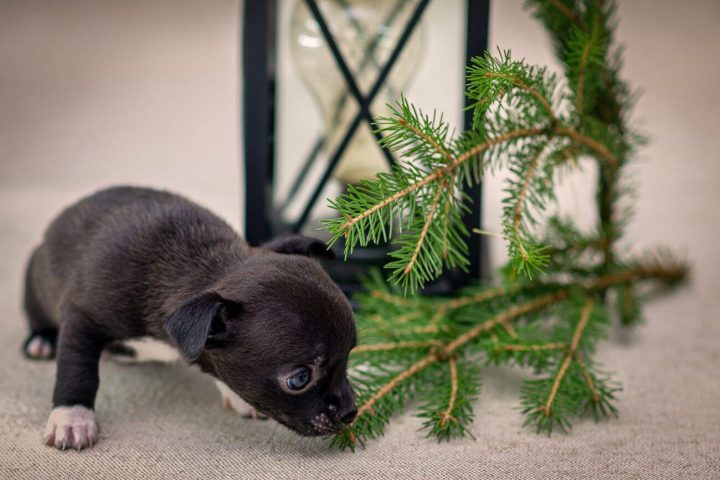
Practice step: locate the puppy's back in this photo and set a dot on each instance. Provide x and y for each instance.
(73, 232)
(109, 240)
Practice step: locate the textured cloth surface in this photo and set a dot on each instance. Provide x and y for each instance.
(161, 421)
(62, 139)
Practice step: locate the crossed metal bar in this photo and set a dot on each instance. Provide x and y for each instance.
(368, 60)
(364, 101)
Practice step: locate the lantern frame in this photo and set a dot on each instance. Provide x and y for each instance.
(259, 67)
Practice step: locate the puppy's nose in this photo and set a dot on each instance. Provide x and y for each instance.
(349, 416)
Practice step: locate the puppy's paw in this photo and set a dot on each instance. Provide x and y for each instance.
(232, 401)
(71, 427)
(40, 345)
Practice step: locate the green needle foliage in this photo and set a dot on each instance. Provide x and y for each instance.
(561, 287)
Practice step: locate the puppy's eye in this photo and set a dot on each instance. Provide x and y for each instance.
(299, 379)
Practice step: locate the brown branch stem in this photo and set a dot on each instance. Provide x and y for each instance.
(518, 210)
(479, 297)
(534, 348)
(584, 318)
(591, 143)
(394, 299)
(387, 388)
(426, 226)
(588, 379)
(376, 347)
(565, 10)
(581, 78)
(532, 91)
(447, 414)
(429, 140)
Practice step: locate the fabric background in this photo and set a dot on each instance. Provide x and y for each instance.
(95, 93)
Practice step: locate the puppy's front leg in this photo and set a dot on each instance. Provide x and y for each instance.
(72, 422)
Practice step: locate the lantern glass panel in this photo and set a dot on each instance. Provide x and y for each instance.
(310, 86)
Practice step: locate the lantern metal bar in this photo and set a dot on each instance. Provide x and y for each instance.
(476, 43)
(335, 158)
(258, 70)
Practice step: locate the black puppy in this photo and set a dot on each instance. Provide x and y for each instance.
(126, 262)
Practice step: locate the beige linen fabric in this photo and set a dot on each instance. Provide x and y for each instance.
(160, 421)
(103, 92)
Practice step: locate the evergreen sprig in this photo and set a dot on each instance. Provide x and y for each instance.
(516, 122)
(409, 345)
(561, 286)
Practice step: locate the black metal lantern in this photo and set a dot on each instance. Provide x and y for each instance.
(263, 220)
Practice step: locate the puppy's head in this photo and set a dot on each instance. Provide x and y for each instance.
(277, 330)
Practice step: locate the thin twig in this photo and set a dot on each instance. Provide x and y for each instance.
(588, 378)
(387, 388)
(447, 414)
(394, 346)
(506, 316)
(423, 232)
(639, 272)
(593, 144)
(584, 318)
(581, 77)
(421, 329)
(446, 226)
(395, 299)
(565, 10)
(429, 140)
(479, 297)
(598, 147)
(400, 319)
(532, 91)
(510, 330)
(535, 348)
(518, 210)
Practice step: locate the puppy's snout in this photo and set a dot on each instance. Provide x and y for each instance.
(342, 406)
(348, 416)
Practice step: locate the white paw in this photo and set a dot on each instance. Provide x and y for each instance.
(232, 401)
(71, 427)
(39, 348)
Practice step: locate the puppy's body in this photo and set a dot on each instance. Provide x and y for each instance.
(130, 262)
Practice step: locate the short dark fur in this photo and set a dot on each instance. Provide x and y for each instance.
(131, 262)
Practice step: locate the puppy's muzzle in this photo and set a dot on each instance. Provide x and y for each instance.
(334, 421)
(338, 415)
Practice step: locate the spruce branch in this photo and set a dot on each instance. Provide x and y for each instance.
(552, 308)
(595, 395)
(418, 198)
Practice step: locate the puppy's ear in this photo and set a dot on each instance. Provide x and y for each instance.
(200, 322)
(300, 245)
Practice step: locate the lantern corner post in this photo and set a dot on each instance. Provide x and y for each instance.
(477, 21)
(258, 70)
